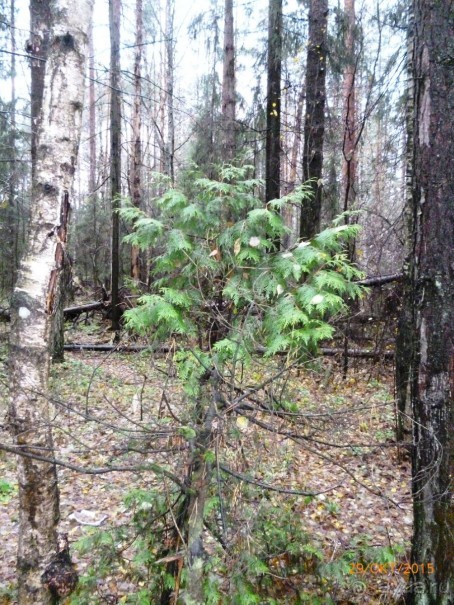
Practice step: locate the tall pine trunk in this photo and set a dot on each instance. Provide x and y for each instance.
(33, 303)
(433, 252)
(228, 87)
(314, 125)
(273, 104)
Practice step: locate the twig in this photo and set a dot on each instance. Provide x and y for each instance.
(273, 488)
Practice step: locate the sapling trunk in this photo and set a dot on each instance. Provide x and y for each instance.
(200, 478)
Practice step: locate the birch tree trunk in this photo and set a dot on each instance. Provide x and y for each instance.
(290, 184)
(33, 302)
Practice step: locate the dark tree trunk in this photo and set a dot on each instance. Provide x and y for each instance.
(273, 105)
(115, 155)
(433, 373)
(349, 93)
(314, 126)
(38, 46)
(228, 87)
(61, 297)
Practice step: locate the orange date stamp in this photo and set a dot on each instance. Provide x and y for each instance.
(386, 568)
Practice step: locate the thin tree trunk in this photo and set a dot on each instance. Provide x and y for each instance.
(350, 138)
(33, 302)
(115, 156)
(228, 87)
(92, 180)
(314, 125)
(199, 480)
(290, 213)
(137, 272)
(13, 209)
(91, 114)
(212, 152)
(349, 94)
(169, 84)
(290, 185)
(273, 104)
(405, 338)
(433, 373)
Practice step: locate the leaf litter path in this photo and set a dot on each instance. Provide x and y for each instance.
(368, 499)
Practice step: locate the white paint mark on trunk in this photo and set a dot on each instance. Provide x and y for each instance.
(24, 312)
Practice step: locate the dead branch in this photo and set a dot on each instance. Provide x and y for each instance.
(72, 312)
(380, 280)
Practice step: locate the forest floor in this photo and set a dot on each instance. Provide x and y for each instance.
(357, 528)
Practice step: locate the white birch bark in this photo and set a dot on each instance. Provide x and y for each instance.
(32, 307)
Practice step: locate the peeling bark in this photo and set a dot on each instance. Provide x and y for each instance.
(33, 301)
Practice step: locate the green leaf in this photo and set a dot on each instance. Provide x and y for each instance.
(177, 298)
(187, 432)
(177, 240)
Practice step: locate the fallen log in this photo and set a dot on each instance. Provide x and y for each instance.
(361, 353)
(108, 348)
(71, 312)
(330, 352)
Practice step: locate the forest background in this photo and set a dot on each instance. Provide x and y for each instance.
(248, 196)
